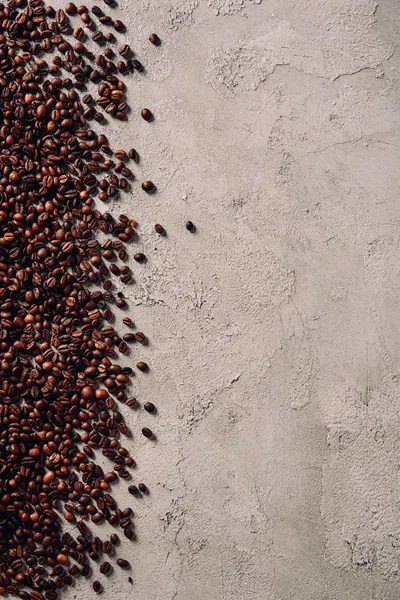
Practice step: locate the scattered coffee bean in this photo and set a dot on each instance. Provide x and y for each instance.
(147, 432)
(105, 568)
(97, 587)
(190, 226)
(143, 488)
(148, 186)
(119, 26)
(159, 229)
(146, 114)
(139, 257)
(142, 366)
(71, 9)
(149, 406)
(154, 39)
(124, 564)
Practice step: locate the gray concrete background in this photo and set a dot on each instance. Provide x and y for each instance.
(274, 338)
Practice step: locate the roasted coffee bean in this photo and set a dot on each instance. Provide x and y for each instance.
(105, 568)
(146, 114)
(132, 489)
(154, 39)
(124, 564)
(148, 186)
(147, 432)
(133, 155)
(149, 406)
(119, 26)
(159, 229)
(71, 9)
(139, 257)
(142, 366)
(190, 226)
(140, 337)
(97, 587)
(143, 488)
(125, 50)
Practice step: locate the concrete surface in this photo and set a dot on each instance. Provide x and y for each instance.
(274, 338)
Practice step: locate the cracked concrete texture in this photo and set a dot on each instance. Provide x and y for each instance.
(273, 331)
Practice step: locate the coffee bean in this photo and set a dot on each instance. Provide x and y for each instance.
(142, 366)
(140, 337)
(139, 257)
(97, 587)
(148, 186)
(124, 564)
(146, 114)
(147, 432)
(119, 26)
(149, 406)
(190, 226)
(132, 489)
(71, 9)
(154, 39)
(105, 568)
(159, 229)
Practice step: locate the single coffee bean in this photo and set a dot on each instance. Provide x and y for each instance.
(147, 432)
(119, 26)
(143, 488)
(148, 186)
(139, 257)
(159, 229)
(190, 226)
(124, 564)
(142, 366)
(146, 114)
(105, 568)
(154, 39)
(132, 489)
(71, 9)
(140, 337)
(97, 587)
(149, 406)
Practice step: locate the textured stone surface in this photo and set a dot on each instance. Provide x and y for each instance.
(274, 338)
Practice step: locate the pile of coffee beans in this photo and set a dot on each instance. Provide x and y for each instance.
(60, 384)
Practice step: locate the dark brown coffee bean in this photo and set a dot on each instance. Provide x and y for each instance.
(97, 587)
(149, 406)
(159, 229)
(105, 568)
(139, 257)
(154, 39)
(71, 9)
(124, 50)
(146, 114)
(140, 337)
(119, 26)
(124, 564)
(142, 366)
(148, 186)
(147, 432)
(190, 226)
(132, 489)
(133, 155)
(143, 488)
(129, 533)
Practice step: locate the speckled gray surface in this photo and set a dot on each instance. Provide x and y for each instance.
(274, 338)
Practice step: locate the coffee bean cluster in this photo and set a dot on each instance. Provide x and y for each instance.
(60, 384)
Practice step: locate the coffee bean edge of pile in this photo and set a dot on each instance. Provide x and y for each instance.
(59, 383)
